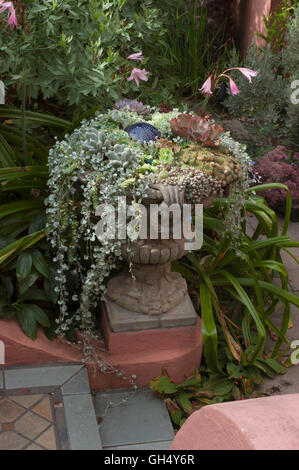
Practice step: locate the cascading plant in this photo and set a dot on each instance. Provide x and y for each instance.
(99, 163)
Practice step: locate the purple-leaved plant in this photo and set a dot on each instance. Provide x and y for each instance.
(277, 167)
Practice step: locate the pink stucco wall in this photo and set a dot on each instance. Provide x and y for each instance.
(249, 17)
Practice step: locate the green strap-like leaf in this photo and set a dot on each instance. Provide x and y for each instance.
(251, 309)
(209, 331)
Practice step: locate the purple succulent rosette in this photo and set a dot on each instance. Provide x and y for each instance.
(134, 105)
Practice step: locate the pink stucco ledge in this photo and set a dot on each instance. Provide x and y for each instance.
(268, 423)
(142, 353)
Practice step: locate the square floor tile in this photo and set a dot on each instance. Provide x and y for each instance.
(47, 408)
(142, 419)
(9, 411)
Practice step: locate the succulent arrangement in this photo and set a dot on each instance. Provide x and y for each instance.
(120, 153)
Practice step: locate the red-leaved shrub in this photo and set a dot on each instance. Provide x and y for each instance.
(277, 167)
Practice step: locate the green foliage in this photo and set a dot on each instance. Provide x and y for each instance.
(75, 50)
(27, 273)
(206, 389)
(193, 48)
(266, 102)
(235, 291)
(276, 24)
(235, 285)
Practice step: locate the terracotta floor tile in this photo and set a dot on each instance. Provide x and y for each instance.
(47, 439)
(34, 447)
(44, 409)
(30, 425)
(11, 441)
(26, 400)
(6, 427)
(9, 411)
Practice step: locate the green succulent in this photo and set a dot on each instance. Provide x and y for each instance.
(218, 165)
(166, 156)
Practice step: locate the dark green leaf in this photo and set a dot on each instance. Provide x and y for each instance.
(28, 281)
(40, 263)
(24, 264)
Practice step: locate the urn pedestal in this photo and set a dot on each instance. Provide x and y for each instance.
(148, 319)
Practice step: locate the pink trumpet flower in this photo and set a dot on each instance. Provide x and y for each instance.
(136, 56)
(207, 86)
(233, 87)
(12, 18)
(212, 81)
(138, 74)
(248, 73)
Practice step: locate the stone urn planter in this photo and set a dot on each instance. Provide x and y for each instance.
(189, 175)
(147, 318)
(149, 287)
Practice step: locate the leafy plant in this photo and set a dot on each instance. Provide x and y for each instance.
(74, 51)
(203, 389)
(278, 166)
(234, 291)
(276, 24)
(26, 270)
(192, 46)
(266, 105)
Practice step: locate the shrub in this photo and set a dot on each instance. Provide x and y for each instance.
(74, 51)
(276, 166)
(266, 103)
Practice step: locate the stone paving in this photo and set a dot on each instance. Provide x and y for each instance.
(47, 408)
(133, 421)
(27, 422)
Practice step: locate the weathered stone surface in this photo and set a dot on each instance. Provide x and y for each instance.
(121, 319)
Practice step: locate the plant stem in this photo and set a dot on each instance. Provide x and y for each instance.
(204, 103)
(24, 138)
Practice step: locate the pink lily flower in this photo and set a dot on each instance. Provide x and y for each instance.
(211, 82)
(136, 56)
(248, 73)
(233, 87)
(207, 86)
(12, 18)
(138, 74)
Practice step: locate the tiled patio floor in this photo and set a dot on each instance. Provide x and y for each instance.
(27, 422)
(47, 408)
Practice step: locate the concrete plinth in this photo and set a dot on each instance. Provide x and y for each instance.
(121, 319)
(145, 353)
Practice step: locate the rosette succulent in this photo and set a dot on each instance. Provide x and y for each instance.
(133, 105)
(195, 128)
